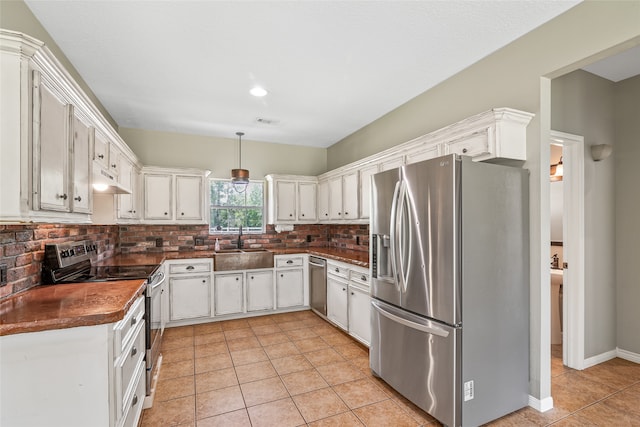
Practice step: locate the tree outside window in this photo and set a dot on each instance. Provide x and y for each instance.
(230, 209)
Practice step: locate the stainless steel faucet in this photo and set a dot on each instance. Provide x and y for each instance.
(240, 244)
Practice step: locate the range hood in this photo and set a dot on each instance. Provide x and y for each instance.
(105, 182)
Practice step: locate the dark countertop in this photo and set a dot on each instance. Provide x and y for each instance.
(49, 307)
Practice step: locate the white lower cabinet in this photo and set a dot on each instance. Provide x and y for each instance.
(228, 293)
(337, 301)
(189, 297)
(290, 288)
(259, 285)
(360, 314)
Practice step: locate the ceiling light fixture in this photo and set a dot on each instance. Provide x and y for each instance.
(258, 91)
(557, 171)
(240, 177)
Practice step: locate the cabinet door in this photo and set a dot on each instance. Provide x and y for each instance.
(337, 302)
(157, 196)
(101, 150)
(285, 201)
(350, 196)
(359, 314)
(335, 198)
(259, 290)
(474, 145)
(289, 288)
(323, 200)
(51, 135)
(189, 196)
(424, 153)
(227, 293)
(307, 201)
(114, 159)
(126, 202)
(391, 163)
(189, 297)
(82, 192)
(365, 189)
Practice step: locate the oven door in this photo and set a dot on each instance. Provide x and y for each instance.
(155, 324)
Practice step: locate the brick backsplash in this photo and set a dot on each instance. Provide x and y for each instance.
(22, 249)
(22, 246)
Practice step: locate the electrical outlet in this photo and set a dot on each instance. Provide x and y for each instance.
(3, 275)
(199, 241)
(158, 242)
(357, 240)
(309, 238)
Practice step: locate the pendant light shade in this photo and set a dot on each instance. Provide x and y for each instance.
(240, 177)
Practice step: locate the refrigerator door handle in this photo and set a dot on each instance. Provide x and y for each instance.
(434, 330)
(393, 234)
(404, 237)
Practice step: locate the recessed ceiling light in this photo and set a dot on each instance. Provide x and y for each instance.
(258, 91)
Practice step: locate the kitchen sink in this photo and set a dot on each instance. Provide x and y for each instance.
(242, 259)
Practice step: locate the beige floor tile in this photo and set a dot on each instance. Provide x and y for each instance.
(235, 334)
(310, 344)
(572, 391)
(209, 338)
(338, 373)
(214, 380)
(243, 344)
(210, 349)
(303, 381)
(336, 338)
(351, 351)
(230, 325)
(251, 355)
(281, 413)
(512, 420)
(212, 363)
(414, 411)
(611, 374)
(301, 334)
(177, 342)
(360, 393)
(603, 414)
(345, 419)
(207, 328)
(263, 391)
(324, 328)
(284, 318)
(177, 332)
(362, 363)
(261, 321)
(384, 414)
(284, 349)
(177, 355)
(319, 404)
(286, 365)
(272, 339)
(544, 418)
(218, 402)
(289, 326)
(238, 418)
(627, 401)
(312, 322)
(267, 329)
(322, 357)
(577, 421)
(176, 369)
(174, 388)
(170, 413)
(255, 371)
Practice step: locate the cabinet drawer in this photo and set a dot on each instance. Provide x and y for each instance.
(125, 328)
(337, 270)
(126, 366)
(472, 145)
(297, 261)
(133, 402)
(359, 277)
(196, 267)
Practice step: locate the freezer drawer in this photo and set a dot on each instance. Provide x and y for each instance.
(418, 358)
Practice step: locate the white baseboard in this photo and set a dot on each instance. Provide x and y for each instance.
(541, 405)
(628, 355)
(599, 358)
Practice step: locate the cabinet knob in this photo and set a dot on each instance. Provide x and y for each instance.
(113, 165)
(251, 277)
(337, 270)
(326, 214)
(101, 156)
(290, 214)
(204, 281)
(346, 213)
(363, 278)
(352, 293)
(464, 150)
(237, 279)
(190, 267)
(339, 213)
(344, 289)
(182, 213)
(79, 199)
(134, 401)
(166, 213)
(302, 214)
(62, 196)
(134, 351)
(281, 275)
(133, 321)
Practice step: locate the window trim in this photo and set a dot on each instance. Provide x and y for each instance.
(263, 230)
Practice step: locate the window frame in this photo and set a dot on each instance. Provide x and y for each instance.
(235, 230)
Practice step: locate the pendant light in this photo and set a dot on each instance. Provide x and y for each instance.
(240, 177)
(557, 171)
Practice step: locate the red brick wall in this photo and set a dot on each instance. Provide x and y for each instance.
(350, 236)
(22, 249)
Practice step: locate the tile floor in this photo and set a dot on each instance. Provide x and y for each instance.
(295, 369)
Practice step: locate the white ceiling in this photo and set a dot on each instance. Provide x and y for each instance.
(330, 67)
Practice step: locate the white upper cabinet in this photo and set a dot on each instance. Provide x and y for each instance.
(423, 153)
(343, 197)
(291, 199)
(101, 150)
(391, 163)
(171, 195)
(128, 204)
(323, 200)
(82, 192)
(365, 174)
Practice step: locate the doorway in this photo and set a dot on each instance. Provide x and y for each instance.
(573, 247)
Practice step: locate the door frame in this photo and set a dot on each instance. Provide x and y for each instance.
(573, 226)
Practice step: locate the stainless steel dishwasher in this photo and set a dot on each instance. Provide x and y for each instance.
(318, 284)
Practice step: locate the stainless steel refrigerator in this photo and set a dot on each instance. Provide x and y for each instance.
(450, 287)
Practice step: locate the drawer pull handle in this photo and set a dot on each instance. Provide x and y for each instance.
(337, 270)
(134, 402)
(363, 278)
(133, 321)
(290, 261)
(190, 267)
(63, 196)
(464, 150)
(134, 351)
(78, 199)
(101, 156)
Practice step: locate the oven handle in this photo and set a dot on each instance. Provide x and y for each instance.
(160, 279)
